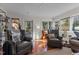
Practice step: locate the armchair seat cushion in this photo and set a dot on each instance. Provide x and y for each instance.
(54, 42)
(74, 45)
(16, 45)
(22, 45)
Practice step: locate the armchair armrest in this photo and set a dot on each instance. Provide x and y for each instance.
(9, 48)
(60, 38)
(27, 39)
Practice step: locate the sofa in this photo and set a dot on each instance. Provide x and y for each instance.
(74, 42)
(24, 46)
(53, 40)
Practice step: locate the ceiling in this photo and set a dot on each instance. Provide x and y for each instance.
(37, 9)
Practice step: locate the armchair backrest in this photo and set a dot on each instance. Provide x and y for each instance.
(22, 34)
(55, 32)
(9, 35)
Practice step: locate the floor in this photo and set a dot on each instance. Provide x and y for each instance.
(63, 51)
(1, 51)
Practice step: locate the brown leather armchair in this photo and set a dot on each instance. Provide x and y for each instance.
(54, 41)
(17, 48)
(74, 42)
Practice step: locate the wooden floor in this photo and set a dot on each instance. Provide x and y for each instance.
(1, 51)
(63, 51)
(53, 51)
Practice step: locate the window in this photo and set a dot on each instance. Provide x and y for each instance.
(46, 25)
(64, 24)
(76, 23)
(28, 26)
(50, 25)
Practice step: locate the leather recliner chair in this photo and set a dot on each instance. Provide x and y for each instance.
(74, 42)
(20, 47)
(54, 41)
